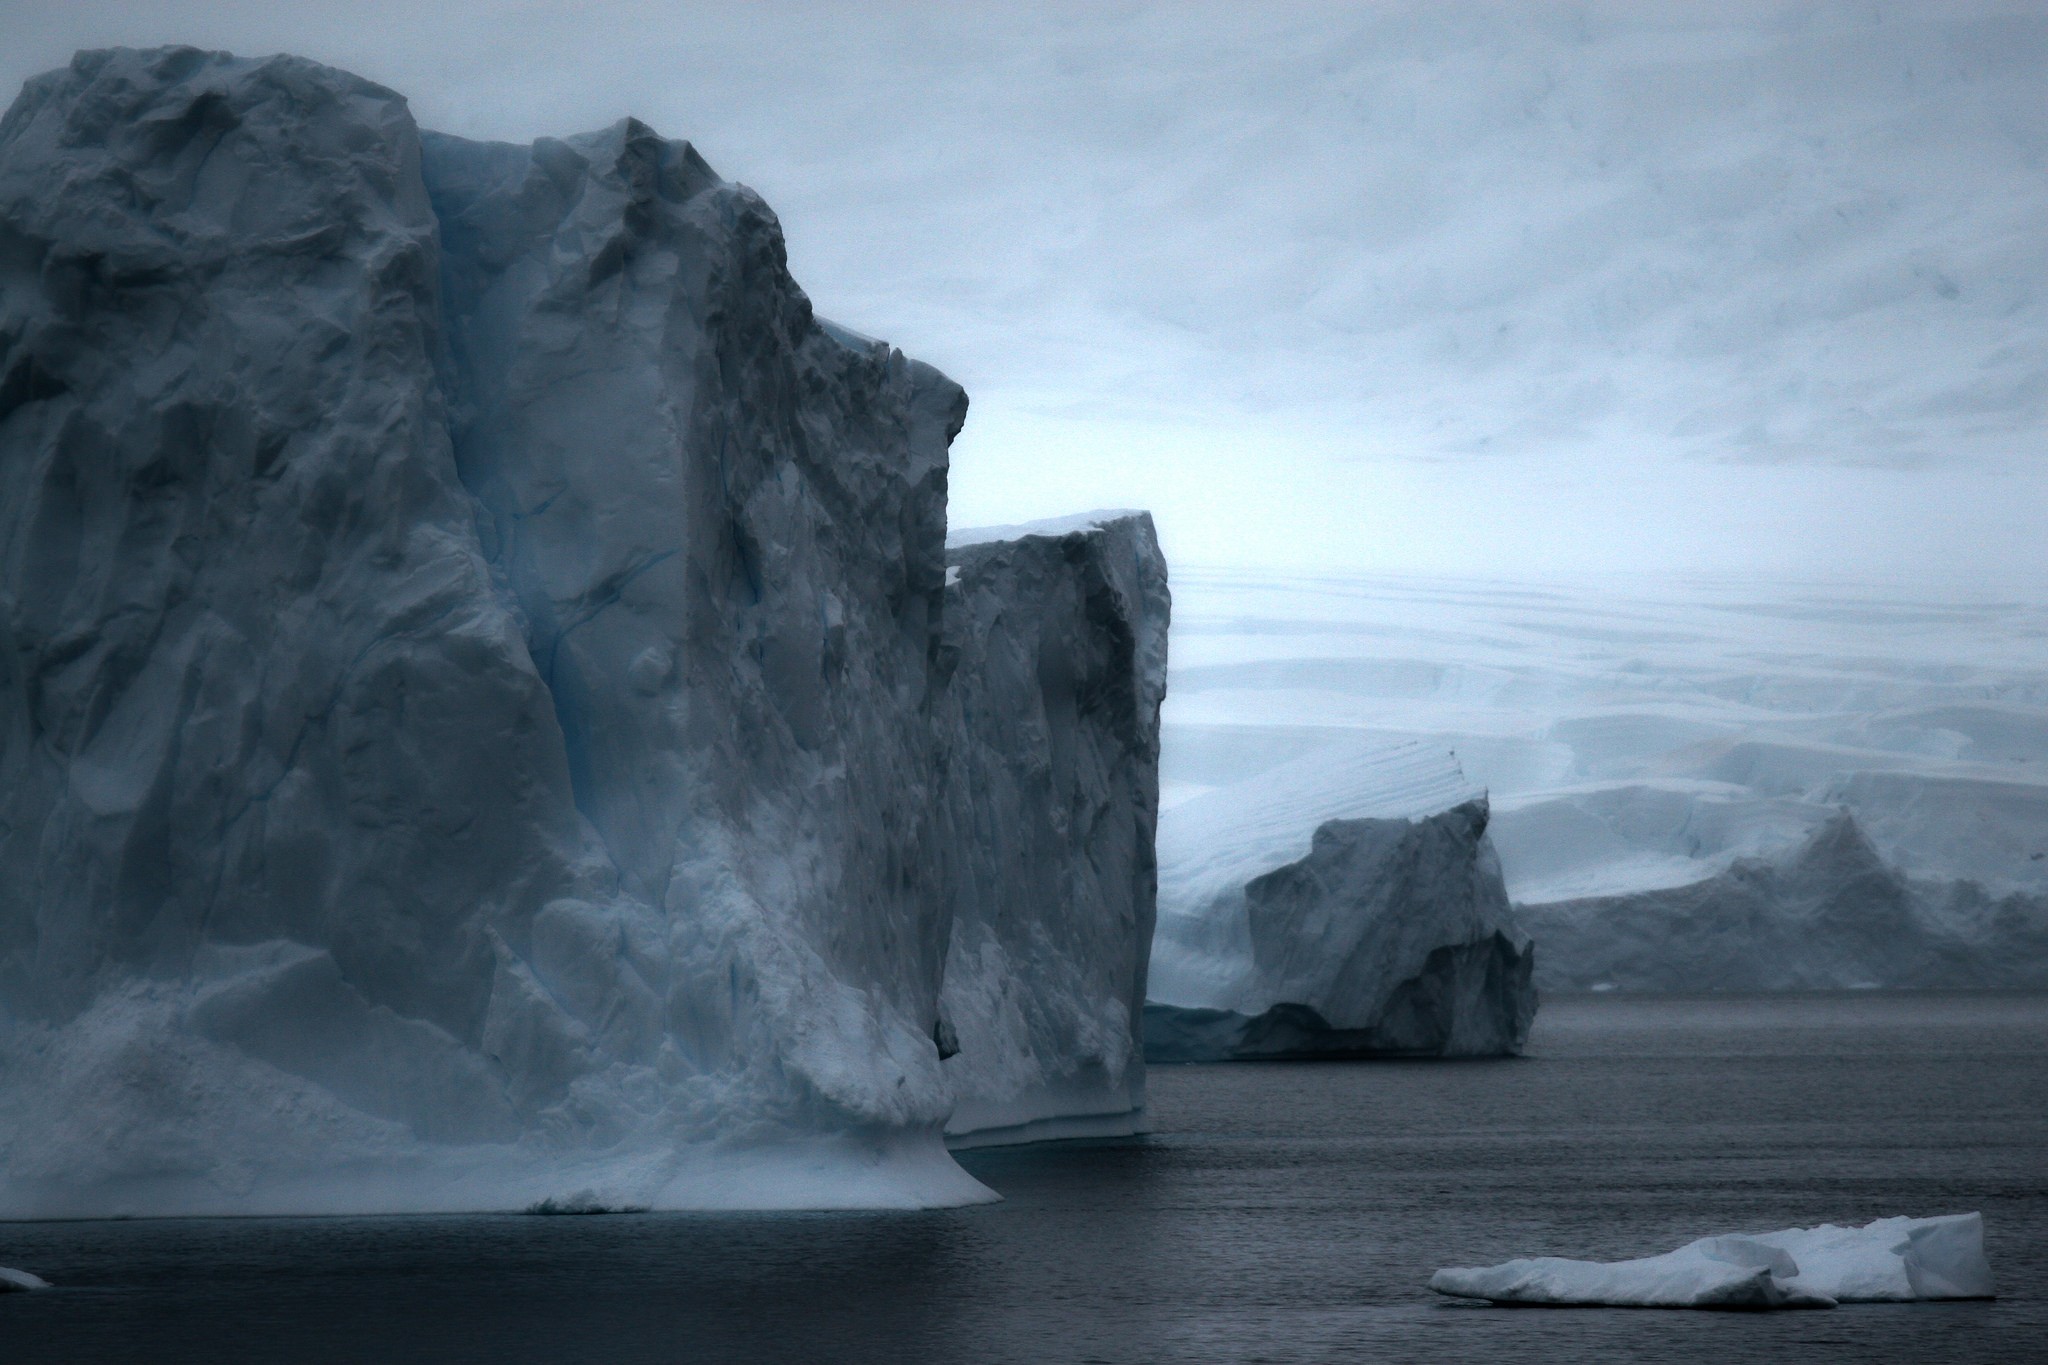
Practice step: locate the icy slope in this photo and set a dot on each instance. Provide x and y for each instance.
(1056, 636)
(1636, 737)
(422, 786)
(1392, 935)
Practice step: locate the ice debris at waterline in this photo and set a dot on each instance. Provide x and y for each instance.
(1056, 636)
(1888, 1261)
(472, 673)
(20, 1281)
(1392, 936)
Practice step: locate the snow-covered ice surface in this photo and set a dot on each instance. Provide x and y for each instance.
(1669, 762)
(1056, 637)
(1345, 902)
(1891, 1260)
(468, 648)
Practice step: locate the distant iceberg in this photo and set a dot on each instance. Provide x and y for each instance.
(1889, 1261)
(1824, 913)
(1385, 931)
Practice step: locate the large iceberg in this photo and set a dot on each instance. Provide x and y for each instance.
(1056, 641)
(470, 658)
(1392, 936)
(1892, 1260)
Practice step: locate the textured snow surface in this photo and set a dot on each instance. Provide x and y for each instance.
(469, 644)
(1392, 934)
(1668, 763)
(1057, 640)
(1888, 1261)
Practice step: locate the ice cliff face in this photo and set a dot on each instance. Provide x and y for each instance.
(1056, 638)
(469, 646)
(1826, 914)
(1392, 936)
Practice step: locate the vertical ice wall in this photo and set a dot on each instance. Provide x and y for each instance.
(722, 531)
(466, 672)
(1056, 638)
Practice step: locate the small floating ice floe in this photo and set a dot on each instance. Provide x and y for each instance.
(19, 1281)
(1892, 1260)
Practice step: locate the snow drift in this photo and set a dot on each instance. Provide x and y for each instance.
(1891, 1260)
(1056, 640)
(1392, 936)
(469, 669)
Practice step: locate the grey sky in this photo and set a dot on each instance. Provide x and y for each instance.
(1499, 288)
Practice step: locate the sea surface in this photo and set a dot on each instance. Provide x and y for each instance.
(1280, 1212)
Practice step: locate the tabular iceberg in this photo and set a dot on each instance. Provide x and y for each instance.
(469, 667)
(1891, 1260)
(1056, 638)
(1392, 937)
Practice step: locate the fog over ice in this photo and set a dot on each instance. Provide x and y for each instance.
(1472, 288)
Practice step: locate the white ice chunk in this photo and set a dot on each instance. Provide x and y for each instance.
(1890, 1260)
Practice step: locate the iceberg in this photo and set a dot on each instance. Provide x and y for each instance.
(20, 1281)
(1825, 913)
(1056, 641)
(470, 672)
(1887, 1261)
(1392, 936)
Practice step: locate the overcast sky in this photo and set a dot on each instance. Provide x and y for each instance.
(1500, 289)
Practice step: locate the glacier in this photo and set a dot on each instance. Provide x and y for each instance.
(1891, 1260)
(1056, 643)
(478, 723)
(1640, 736)
(1392, 936)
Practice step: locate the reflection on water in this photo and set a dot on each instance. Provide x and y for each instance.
(1285, 1212)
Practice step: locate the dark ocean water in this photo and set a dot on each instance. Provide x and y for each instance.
(1282, 1212)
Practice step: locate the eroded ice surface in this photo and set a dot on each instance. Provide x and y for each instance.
(1636, 738)
(1890, 1260)
(468, 651)
(1056, 637)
